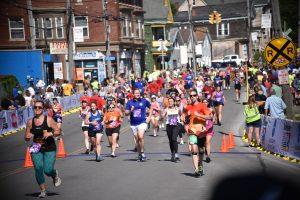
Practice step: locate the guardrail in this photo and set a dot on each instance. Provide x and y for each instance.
(13, 120)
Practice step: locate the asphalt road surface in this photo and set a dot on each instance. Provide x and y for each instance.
(243, 173)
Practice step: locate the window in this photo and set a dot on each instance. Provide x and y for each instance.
(139, 28)
(59, 27)
(38, 28)
(16, 28)
(158, 33)
(82, 21)
(223, 29)
(126, 27)
(48, 27)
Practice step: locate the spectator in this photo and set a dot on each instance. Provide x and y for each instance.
(260, 99)
(275, 106)
(15, 90)
(19, 100)
(6, 104)
(276, 88)
(28, 98)
(95, 84)
(67, 88)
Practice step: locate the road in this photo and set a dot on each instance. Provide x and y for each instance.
(233, 173)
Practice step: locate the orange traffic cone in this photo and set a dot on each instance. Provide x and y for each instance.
(28, 162)
(61, 153)
(231, 140)
(224, 146)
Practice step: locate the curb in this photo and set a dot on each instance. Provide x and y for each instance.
(65, 113)
(286, 158)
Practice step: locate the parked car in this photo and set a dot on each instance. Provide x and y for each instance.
(219, 65)
(233, 58)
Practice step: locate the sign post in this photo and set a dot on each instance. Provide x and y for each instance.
(279, 53)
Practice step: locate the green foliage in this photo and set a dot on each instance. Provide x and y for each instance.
(8, 83)
(289, 14)
(173, 8)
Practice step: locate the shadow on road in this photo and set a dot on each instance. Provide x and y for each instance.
(36, 194)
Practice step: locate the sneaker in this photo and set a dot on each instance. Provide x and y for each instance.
(87, 151)
(197, 173)
(43, 194)
(176, 157)
(144, 158)
(181, 142)
(139, 159)
(201, 170)
(113, 155)
(208, 159)
(56, 180)
(173, 159)
(99, 158)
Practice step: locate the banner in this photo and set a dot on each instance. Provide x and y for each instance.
(78, 34)
(58, 72)
(281, 136)
(14, 119)
(58, 48)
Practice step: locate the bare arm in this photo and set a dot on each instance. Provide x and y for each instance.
(28, 133)
(52, 124)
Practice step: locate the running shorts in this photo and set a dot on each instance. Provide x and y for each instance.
(110, 131)
(142, 126)
(94, 133)
(85, 128)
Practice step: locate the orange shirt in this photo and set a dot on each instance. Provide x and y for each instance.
(199, 108)
(112, 119)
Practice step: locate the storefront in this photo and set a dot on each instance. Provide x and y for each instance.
(89, 64)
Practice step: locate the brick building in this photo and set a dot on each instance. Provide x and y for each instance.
(50, 24)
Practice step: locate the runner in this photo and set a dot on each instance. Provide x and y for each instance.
(94, 120)
(43, 149)
(198, 113)
(113, 120)
(57, 112)
(219, 100)
(209, 132)
(137, 109)
(172, 115)
(84, 110)
(237, 87)
(180, 103)
(156, 112)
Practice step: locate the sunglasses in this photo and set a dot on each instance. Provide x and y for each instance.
(193, 95)
(111, 107)
(37, 107)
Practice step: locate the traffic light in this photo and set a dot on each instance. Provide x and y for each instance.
(215, 17)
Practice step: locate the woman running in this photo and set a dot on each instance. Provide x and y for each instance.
(219, 100)
(94, 119)
(113, 120)
(180, 105)
(43, 149)
(172, 115)
(84, 110)
(209, 131)
(237, 86)
(57, 112)
(155, 114)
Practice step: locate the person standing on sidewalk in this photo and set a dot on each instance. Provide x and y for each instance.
(275, 106)
(137, 108)
(43, 129)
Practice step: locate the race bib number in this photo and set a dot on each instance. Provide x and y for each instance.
(137, 113)
(173, 119)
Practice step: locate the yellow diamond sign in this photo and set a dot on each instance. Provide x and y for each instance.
(280, 52)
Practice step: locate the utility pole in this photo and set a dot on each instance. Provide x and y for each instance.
(70, 65)
(31, 24)
(107, 41)
(287, 95)
(192, 35)
(248, 46)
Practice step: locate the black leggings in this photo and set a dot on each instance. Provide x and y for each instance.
(172, 132)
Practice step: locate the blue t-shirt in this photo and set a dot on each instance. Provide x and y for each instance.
(138, 115)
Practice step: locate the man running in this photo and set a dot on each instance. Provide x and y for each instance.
(137, 109)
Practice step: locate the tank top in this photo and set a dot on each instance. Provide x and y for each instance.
(38, 134)
(173, 116)
(219, 96)
(98, 118)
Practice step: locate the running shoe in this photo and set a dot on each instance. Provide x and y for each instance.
(144, 158)
(201, 170)
(197, 173)
(87, 151)
(176, 157)
(139, 159)
(56, 179)
(113, 155)
(208, 159)
(43, 194)
(181, 142)
(99, 158)
(173, 159)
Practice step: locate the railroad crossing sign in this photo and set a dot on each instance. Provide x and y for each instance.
(280, 52)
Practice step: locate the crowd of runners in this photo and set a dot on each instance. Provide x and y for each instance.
(181, 102)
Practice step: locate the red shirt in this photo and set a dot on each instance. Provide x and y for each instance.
(200, 108)
(209, 90)
(153, 88)
(98, 100)
(160, 82)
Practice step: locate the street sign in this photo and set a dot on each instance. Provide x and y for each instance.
(283, 77)
(112, 58)
(266, 20)
(280, 52)
(58, 48)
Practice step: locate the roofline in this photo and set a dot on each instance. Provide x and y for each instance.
(203, 21)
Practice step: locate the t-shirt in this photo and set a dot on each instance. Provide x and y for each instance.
(67, 89)
(112, 119)
(153, 88)
(138, 115)
(260, 97)
(199, 108)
